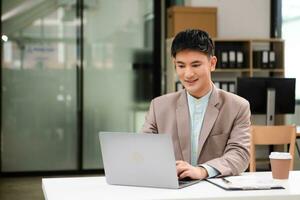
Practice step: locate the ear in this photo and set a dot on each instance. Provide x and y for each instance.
(174, 61)
(213, 63)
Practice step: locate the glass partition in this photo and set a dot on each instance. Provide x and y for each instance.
(118, 61)
(38, 86)
(41, 84)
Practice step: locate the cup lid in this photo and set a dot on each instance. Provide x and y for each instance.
(280, 155)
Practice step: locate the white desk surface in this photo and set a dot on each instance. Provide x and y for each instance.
(92, 188)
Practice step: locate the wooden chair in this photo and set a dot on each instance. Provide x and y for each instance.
(272, 135)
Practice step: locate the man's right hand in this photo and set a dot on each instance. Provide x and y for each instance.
(184, 170)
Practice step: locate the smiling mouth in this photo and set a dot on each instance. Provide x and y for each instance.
(191, 81)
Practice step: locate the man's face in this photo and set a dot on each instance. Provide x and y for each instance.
(194, 71)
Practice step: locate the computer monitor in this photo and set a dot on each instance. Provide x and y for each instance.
(268, 95)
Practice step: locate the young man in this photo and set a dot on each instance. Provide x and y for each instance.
(210, 128)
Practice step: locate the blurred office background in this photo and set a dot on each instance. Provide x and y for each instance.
(69, 70)
(73, 68)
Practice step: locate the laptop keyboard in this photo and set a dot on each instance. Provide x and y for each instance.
(184, 182)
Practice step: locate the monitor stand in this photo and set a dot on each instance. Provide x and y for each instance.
(271, 92)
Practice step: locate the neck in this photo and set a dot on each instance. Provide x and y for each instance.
(203, 92)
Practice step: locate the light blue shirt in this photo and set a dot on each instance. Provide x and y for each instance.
(197, 108)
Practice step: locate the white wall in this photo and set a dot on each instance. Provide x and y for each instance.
(239, 18)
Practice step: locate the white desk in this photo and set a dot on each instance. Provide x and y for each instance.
(90, 188)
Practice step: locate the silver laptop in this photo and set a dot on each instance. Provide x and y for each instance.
(140, 159)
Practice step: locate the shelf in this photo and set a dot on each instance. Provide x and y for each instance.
(259, 40)
(234, 53)
(268, 40)
(268, 70)
(232, 70)
(230, 40)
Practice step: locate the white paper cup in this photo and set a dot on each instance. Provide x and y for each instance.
(280, 164)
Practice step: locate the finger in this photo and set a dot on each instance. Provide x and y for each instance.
(182, 163)
(184, 174)
(179, 162)
(181, 168)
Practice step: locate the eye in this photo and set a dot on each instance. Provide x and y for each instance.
(180, 66)
(196, 65)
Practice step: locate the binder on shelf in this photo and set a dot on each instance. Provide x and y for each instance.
(272, 59)
(232, 59)
(261, 59)
(224, 86)
(265, 59)
(231, 87)
(239, 59)
(257, 58)
(228, 86)
(224, 59)
(218, 55)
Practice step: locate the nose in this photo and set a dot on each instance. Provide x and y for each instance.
(189, 73)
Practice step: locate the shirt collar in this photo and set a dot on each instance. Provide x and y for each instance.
(194, 100)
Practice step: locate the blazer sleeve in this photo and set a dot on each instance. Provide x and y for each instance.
(237, 151)
(150, 125)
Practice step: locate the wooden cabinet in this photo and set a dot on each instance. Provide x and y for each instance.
(234, 48)
(182, 17)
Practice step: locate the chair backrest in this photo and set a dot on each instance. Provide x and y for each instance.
(272, 135)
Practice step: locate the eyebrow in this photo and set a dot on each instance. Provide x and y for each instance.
(179, 62)
(194, 62)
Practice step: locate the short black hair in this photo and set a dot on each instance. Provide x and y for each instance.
(192, 39)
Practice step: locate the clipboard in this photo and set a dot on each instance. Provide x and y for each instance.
(234, 183)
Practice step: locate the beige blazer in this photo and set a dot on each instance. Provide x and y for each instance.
(224, 140)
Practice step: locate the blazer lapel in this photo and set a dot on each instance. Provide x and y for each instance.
(210, 117)
(183, 126)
